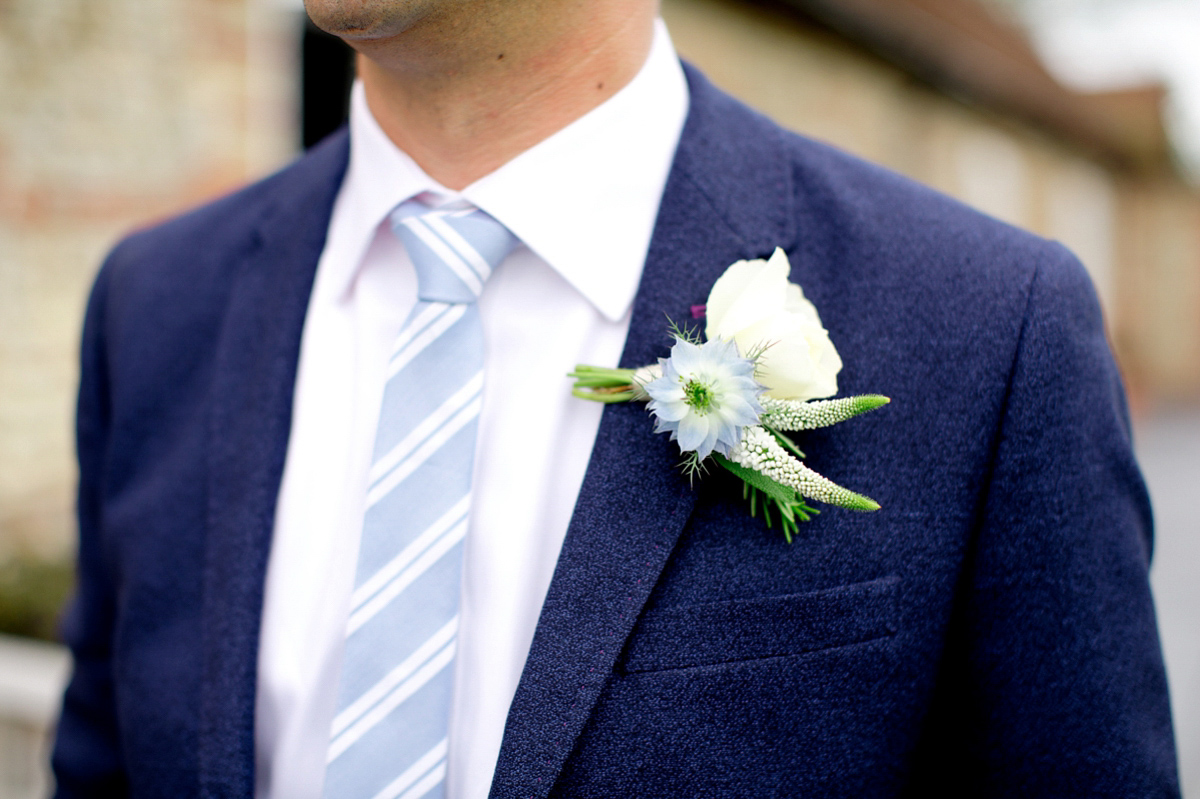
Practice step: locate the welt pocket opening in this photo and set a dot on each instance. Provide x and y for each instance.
(750, 629)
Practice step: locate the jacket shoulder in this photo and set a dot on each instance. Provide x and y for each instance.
(160, 297)
(839, 212)
(896, 227)
(207, 238)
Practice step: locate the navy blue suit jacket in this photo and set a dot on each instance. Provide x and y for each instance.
(989, 632)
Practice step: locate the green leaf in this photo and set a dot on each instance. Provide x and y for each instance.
(790, 505)
(757, 480)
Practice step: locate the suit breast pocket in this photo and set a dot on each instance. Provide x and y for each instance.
(751, 629)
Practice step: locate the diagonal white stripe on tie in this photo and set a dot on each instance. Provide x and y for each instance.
(423, 318)
(407, 577)
(426, 428)
(427, 783)
(461, 246)
(425, 338)
(431, 445)
(403, 691)
(428, 763)
(443, 250)
(396, 676)
(397, 564)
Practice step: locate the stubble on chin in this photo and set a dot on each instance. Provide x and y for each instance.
(370, 19)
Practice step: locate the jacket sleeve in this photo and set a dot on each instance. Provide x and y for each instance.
(1053, 684)
(87, 753)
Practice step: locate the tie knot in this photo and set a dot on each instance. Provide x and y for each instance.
(454, 252)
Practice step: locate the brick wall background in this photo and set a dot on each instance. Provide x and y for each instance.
(115, 112)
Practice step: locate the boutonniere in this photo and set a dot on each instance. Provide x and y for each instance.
(762, 370)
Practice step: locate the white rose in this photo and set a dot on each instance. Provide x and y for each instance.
(754, 304)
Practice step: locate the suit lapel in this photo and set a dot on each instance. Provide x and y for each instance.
(250, 421)
(728, 197)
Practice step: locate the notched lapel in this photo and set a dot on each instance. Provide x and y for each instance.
(728, 197)
(249, 424)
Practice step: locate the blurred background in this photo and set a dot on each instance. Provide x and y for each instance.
(1076, 119)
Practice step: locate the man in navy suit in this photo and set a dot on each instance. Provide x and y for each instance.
(989, 632)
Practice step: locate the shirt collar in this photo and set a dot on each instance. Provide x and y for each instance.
(584, 199)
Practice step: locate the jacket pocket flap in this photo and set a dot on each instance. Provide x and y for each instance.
(744, 629)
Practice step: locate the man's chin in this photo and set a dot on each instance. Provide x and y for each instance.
(364, 20)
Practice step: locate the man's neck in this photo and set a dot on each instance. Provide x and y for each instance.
(463, 108)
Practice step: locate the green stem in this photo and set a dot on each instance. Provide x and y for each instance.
(785, 442)
(613, 376)
(608, 398)
(599, 384)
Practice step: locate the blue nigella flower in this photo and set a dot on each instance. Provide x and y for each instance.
(706, 395)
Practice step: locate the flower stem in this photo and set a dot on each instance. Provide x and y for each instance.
(603, 385)
(608, 397)
(788, 502)
(785, 442)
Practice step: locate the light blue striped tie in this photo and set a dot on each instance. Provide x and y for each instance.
(389, 734)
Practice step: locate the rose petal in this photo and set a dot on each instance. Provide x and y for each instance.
(745, 294)
(797, 303)
(787, 368)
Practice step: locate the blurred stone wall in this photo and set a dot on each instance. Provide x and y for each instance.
(114, 112)
(1138, 235)
(1159, 299)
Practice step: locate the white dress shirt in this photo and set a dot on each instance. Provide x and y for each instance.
(583, 202)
